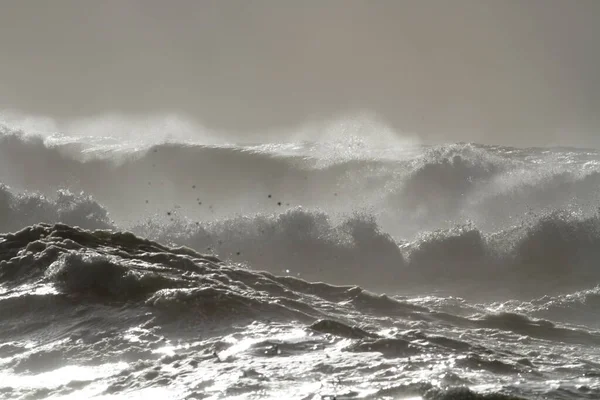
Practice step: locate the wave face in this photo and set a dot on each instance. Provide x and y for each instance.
(203, 271)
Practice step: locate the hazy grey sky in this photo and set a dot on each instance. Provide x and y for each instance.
(501, 71)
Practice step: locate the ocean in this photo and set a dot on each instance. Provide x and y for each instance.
(341, 268)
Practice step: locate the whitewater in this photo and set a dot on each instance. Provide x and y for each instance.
(337, 266)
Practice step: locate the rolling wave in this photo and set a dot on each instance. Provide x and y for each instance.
(408, 190)
(547, 254)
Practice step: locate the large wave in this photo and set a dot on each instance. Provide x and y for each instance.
(473, 219)
(408, 189)
(206, 181)
(550, 253)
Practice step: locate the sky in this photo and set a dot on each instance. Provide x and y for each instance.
(521, 73)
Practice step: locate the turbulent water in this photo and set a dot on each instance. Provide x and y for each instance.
(332, 269)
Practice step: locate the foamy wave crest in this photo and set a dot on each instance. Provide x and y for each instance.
(490, 185)
(552, 253)
(23, 209)
(581, 307)
(205, 181)
(298, 242)
(409, 189)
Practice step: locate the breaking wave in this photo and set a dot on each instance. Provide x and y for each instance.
(547, 254)
(408, 189)
(193, 271)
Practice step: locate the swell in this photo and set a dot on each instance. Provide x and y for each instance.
(581, 307)
(110, 266)
(105, 297)
(61, 273)
(105, 267)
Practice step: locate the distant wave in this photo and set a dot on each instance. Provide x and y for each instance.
(492, 186)
(206, 181)
(421, 188)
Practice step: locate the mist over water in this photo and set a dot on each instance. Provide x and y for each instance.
(516, 73)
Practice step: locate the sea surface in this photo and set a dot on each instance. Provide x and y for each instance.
(342, 268)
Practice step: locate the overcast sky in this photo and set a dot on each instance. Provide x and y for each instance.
(498, 71)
